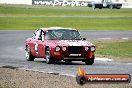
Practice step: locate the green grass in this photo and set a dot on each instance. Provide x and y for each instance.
(83, 18)
(79, 23)
(10, 10)
(116, 49)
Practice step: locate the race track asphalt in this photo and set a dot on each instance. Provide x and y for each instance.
(12, 53)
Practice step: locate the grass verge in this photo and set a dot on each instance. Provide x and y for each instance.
(20, 10)
(83, 18)
(119, 50)
(76, 22)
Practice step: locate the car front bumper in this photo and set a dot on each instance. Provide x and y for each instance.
(74, 57)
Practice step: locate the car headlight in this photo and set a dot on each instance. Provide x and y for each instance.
(86, 48)
(92, 48)
(57, 48)
(64, 48)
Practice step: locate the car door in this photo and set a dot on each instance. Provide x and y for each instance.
(34, 44)
(38, 44)
(41, 45)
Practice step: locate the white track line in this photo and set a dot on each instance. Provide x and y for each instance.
(125, 38)
(103, 59)
(105, 38)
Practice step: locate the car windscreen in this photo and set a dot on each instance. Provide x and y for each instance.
(63, 34)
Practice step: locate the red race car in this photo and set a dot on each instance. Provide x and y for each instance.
(56, 44)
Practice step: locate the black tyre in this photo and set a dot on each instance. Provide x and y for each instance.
(29, 56)
(49, 58)
(89, 61)
(118, 7)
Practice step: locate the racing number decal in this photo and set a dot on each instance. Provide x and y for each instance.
(36, 48)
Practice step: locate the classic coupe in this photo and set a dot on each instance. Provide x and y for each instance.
(57, 44)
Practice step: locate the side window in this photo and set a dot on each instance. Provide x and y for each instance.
(33, 36)
(38, 35)
(42, 36)
(47, 35)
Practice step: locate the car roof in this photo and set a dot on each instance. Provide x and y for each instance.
(55, 28)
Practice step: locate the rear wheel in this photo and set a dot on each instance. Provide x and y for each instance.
(89, 61)
(29, 56)
(49, 58)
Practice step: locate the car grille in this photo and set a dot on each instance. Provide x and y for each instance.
(75, 49)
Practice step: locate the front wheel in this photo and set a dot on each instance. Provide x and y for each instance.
(49, 58)
(118, 7)
(29, 56)
(89, 61)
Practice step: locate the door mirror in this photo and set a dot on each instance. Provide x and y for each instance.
(42, 37)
